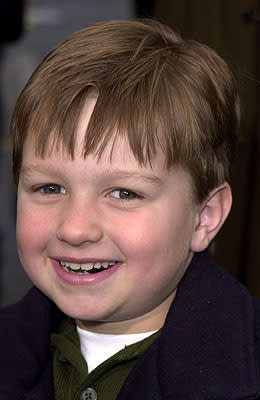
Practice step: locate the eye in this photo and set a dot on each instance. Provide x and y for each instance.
(52, 188)
(123, 194)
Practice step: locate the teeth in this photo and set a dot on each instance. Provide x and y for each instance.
(74, 267)
(87, 266)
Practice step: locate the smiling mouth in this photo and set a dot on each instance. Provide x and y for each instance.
(86, 268)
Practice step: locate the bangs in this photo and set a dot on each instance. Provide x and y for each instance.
(128, 108)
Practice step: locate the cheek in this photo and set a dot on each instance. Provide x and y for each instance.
(159, 236)
(32, 231)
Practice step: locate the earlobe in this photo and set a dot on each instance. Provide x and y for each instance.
(211, 216)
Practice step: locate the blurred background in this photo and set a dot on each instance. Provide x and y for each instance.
(29, 29)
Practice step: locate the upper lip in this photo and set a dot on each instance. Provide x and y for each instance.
(85, 260)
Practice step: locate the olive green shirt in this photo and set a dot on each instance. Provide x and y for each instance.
(71, 378)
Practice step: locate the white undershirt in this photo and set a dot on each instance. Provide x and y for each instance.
(98, 347)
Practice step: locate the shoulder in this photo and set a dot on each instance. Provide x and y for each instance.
(34, 313)
(214, 323)
(218, 296)
(24, 339)
(257, 327)
(209, 282)
(32, 300)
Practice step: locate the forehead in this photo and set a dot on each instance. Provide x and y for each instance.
(117, 156)
(116, 152)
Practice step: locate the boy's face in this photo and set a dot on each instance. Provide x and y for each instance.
(137, 222)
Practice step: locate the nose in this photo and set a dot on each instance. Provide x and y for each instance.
(79, 224)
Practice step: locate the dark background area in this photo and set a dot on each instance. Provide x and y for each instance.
(231, 27)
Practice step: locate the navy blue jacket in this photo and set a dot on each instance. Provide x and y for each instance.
(208, 348)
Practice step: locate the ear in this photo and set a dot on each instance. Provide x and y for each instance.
(211, 216)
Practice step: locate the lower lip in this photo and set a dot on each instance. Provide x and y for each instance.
(86, 279)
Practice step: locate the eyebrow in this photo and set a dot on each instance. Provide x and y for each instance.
(32, 169)
(29, 170)
(125, 174)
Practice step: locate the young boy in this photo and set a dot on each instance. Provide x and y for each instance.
(123, 140)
